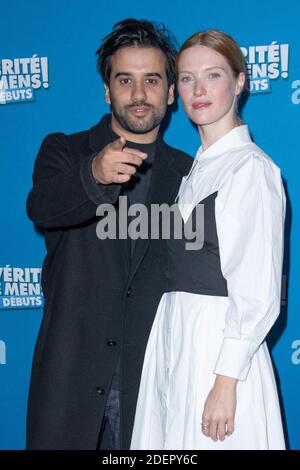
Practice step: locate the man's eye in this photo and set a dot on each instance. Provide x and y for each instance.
(151, 81)
(125, 81)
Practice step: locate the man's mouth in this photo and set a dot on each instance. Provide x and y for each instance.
(139, 110)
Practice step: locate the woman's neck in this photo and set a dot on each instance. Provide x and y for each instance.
(210, 133)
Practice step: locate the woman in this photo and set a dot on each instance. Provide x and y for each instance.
(207, 380)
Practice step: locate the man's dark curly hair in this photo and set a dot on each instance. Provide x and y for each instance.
(141, 33)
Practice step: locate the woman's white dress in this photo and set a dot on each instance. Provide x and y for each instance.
(196, 336)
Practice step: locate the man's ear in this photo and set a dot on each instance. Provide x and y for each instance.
(171, 94)
(107, 94)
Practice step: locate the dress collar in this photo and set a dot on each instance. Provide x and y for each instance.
(210, 168)
(235, 138)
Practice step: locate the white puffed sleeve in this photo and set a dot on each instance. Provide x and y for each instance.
(250, 211)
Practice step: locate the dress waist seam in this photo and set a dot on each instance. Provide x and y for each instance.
(214, 293)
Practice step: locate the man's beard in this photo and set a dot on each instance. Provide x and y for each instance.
(135, 124)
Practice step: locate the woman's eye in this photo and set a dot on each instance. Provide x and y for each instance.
(151, 81)
(185, 79)
(214, 75)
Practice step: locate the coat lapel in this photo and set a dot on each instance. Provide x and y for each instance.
(164, 184)
(99, 135)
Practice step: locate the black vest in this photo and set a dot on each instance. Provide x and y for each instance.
(196, 271)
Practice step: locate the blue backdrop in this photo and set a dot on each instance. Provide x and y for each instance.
(48, 82)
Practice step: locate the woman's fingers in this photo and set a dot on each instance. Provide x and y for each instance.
(205, 427)
(213, 430)
(230, 427)
(217, 429)
(221, 430)
(219, 409)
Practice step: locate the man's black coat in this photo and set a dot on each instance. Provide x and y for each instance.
(97, 302)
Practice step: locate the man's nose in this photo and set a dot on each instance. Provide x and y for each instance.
(138, 91)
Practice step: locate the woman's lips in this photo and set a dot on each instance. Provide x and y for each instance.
(201, 105)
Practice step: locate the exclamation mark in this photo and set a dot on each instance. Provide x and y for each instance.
(2, 352)
(284, 48)
(44, 64)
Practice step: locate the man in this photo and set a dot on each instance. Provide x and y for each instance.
(101, 295)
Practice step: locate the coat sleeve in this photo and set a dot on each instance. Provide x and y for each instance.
(250, 211)
(64, 192)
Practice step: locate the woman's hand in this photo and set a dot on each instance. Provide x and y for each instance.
(219, 409)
